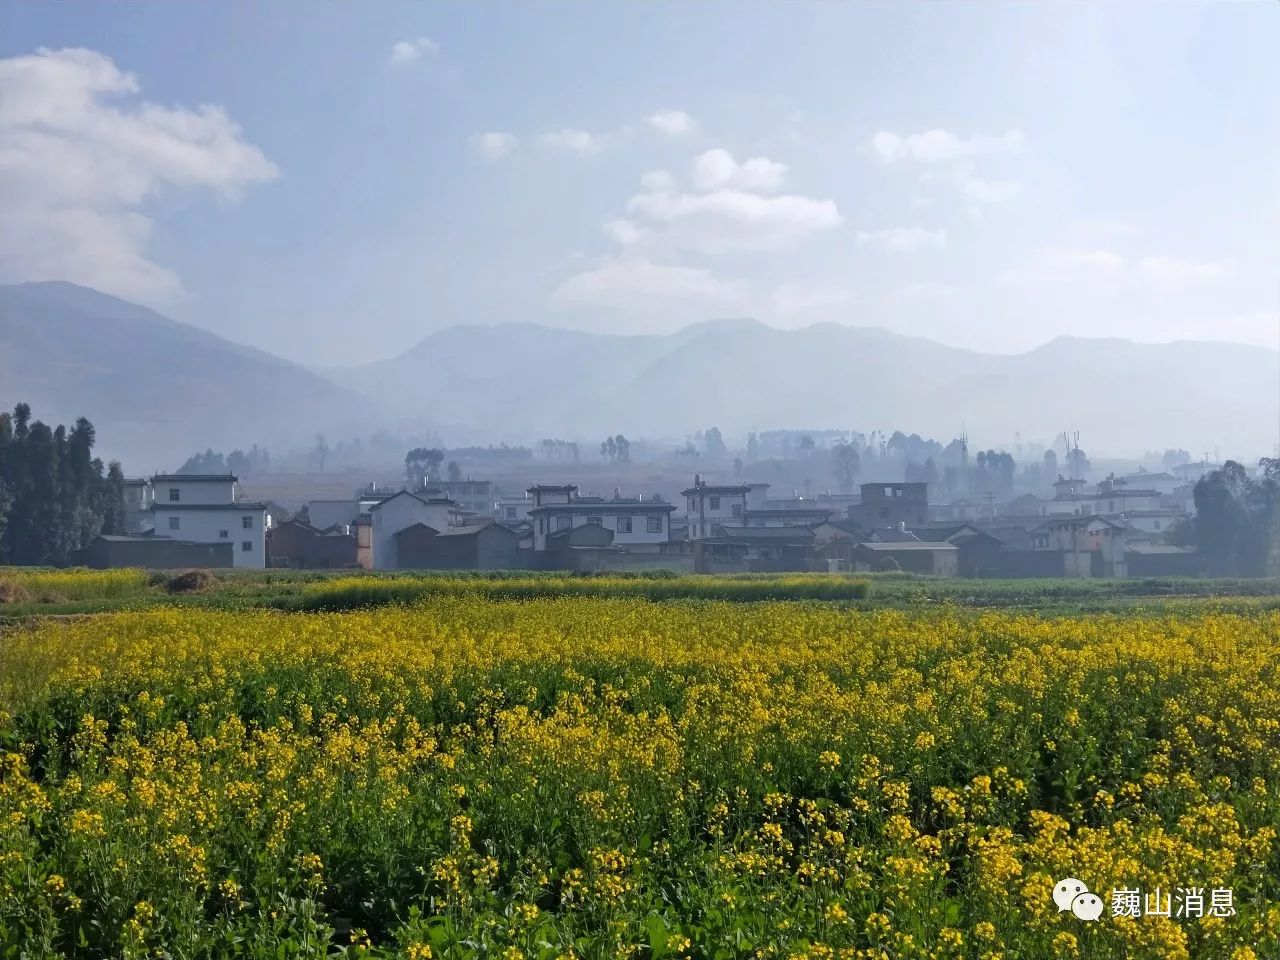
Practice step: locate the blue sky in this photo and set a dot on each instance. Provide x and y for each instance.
(332, 182)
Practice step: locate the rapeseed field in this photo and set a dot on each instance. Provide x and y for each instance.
(588, 777)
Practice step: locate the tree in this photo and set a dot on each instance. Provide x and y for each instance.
(737, 466)
(1077, 464)
(714, 445)
(420, 465)
(1175, 458)
(321, 450)
(845, 463)
(1220, 517)
(994, 472)
(559, 449)
(753, 447)
(112, 501)
(455, 471)
(623, 447)
(54, 497)
(1050, 466)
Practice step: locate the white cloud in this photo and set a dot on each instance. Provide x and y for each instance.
(623, 232)
(729, 210)
(577, 141)
(658, 181)
(980, 191)
(634, 283)
(407, 51)
(674, 123)
(904, 239)
(1177, 272)
(495, 144)
(941, 146)
(922, 291)
(1064, 265)
(723, 221)
(717, 169)
(1147, 274)
(790, 299)
(80, 157)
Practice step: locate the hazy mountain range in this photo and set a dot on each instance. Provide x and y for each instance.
(158, 389)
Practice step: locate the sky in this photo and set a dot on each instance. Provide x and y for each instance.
(332, 182)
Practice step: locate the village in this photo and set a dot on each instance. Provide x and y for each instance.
(1116, 527)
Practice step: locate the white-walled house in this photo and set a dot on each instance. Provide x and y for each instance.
(642, 526)
(709, 506)
(639, 525)
(399, 512)
(202, 508)
(512, 510)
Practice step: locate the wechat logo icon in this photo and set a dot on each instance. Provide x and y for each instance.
(1072, 894)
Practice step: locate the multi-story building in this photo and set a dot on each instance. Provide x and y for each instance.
(888, 504)
(210, 508)
(639, 525)
(710, 506)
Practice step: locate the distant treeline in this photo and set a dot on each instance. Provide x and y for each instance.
(239, 462)
(55, 496)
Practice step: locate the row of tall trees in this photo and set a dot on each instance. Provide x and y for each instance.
(561, 451)
(617, 449)
(55, 496)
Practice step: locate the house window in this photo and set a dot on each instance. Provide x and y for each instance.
(246, 546)
(511, 513)
(653, 524)
(1157, 524)
(624, 525)
(884, 514)
(173, 523)
(174, 494)
(564, 523)
(736, 509)
(223, 534)
(246, 523)
(595, 521)
(715, 503)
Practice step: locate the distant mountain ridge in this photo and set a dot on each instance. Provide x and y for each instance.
(158, 389)
(516, 381)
